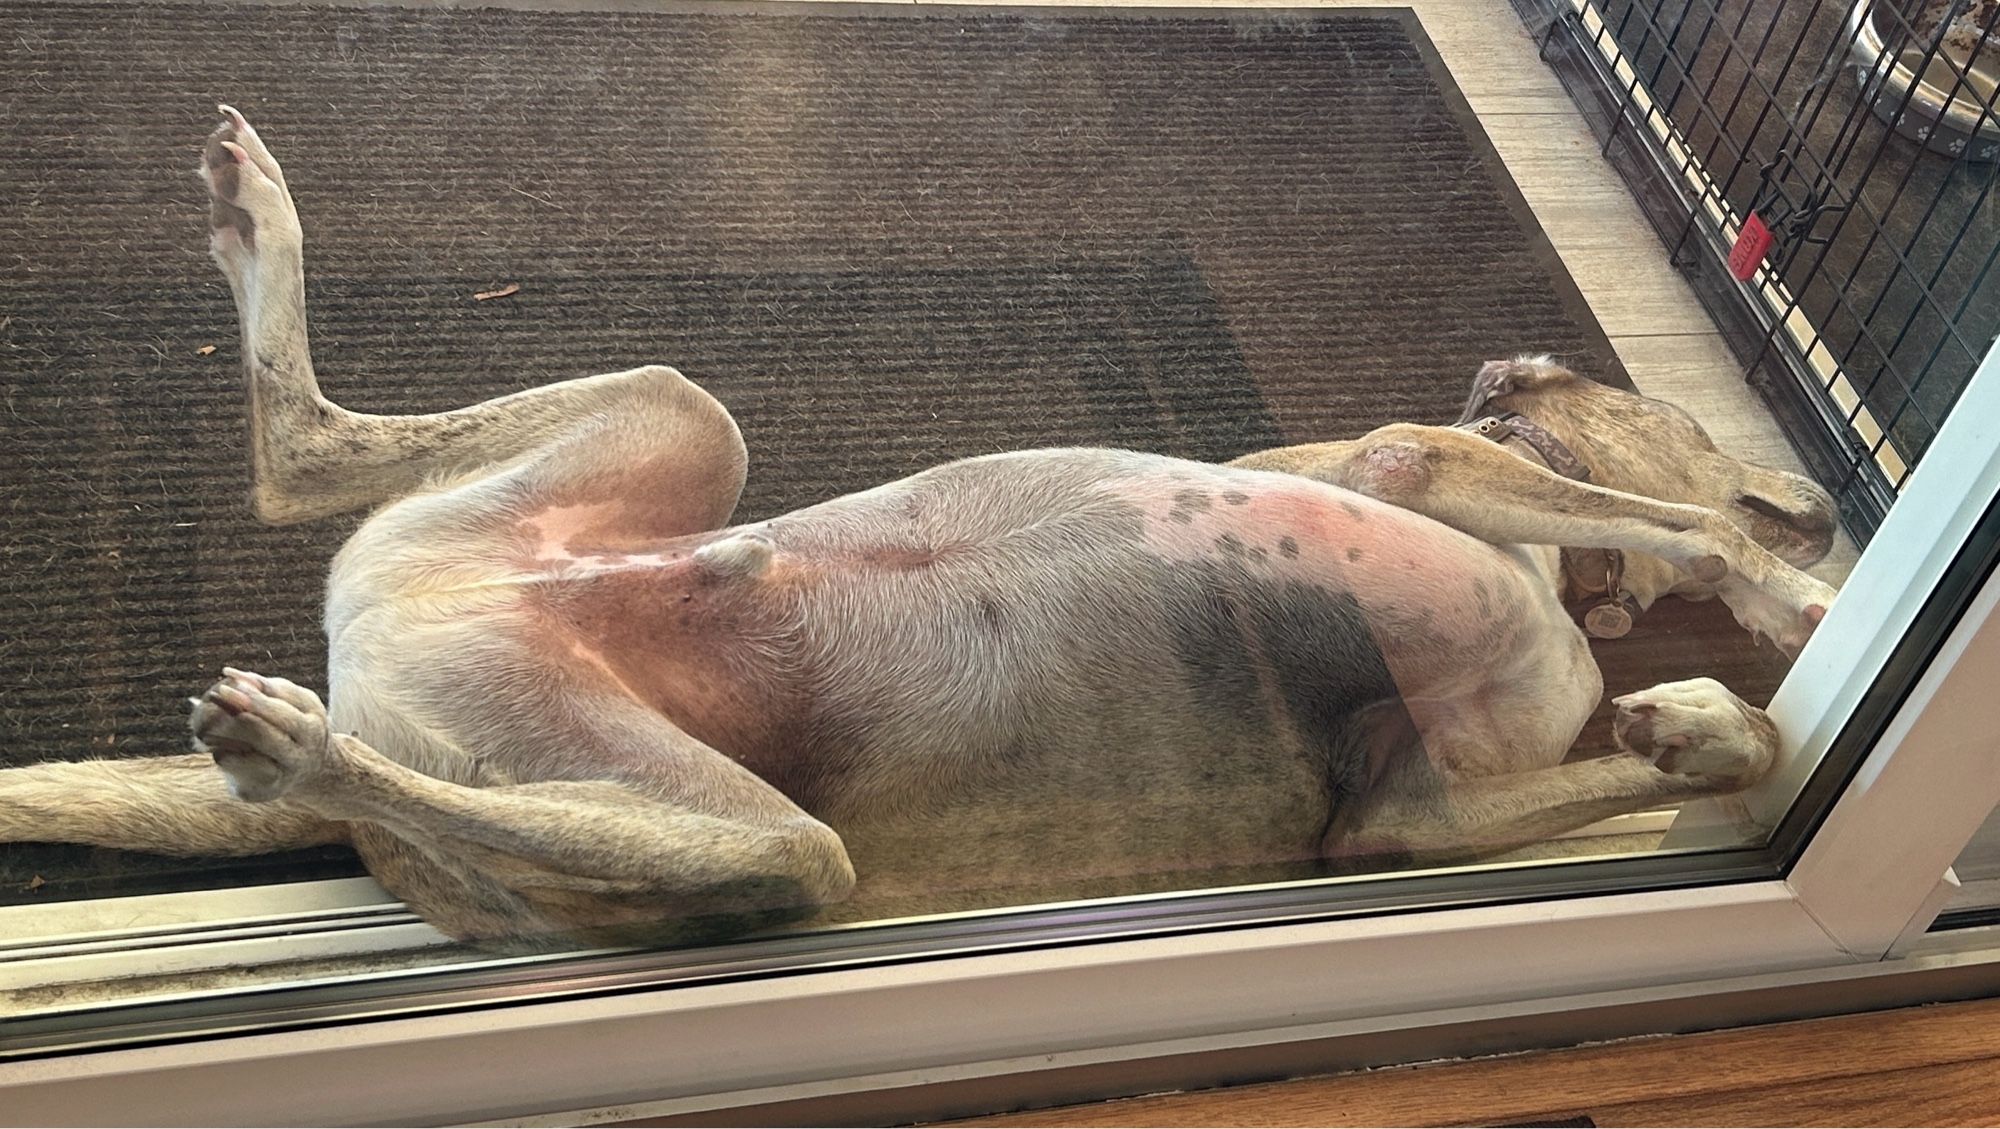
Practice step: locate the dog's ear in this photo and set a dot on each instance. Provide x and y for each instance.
(1507, 377)
(1495, 378)
(1787, 514)
(1501, 378)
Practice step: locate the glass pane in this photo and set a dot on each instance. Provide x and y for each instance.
(1185, 485)
(1978, 870)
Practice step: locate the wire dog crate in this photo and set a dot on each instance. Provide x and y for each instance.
(1823, 172)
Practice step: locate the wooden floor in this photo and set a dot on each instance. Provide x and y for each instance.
(1919, 1066)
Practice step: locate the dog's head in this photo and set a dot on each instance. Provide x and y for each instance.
(1645, 446)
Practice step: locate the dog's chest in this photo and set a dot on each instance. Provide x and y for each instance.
(1422, 589)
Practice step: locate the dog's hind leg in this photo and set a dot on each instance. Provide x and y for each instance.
(1473, 485)
(175, 805)
(310, 457)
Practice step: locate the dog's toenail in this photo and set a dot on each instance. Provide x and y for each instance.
(248, 678)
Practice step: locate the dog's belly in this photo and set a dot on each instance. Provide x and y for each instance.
(985, 655)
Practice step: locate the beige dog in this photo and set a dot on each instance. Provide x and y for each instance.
(566, 697)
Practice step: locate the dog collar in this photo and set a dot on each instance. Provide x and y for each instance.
(1514, 425)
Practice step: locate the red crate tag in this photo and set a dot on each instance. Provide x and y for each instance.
(1751, 245)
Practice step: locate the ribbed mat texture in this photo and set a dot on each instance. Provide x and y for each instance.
(884, 239)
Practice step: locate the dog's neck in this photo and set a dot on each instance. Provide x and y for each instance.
(1595, 575)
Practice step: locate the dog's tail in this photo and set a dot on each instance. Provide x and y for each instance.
(174, 805)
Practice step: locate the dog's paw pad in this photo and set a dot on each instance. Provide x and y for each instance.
(1696, 728)
(267, 735)
(247, 196)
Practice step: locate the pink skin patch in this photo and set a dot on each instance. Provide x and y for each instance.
(661, 630)
(554, 530)
(582, 538)
(1392, 560)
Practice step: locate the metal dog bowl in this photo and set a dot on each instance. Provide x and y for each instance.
(1929, 105)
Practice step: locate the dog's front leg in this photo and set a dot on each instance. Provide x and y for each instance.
(1472, 485)
(683, 832)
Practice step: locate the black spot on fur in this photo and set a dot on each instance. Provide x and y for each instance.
(1289, 547)
(1230, 545)
(1353, 554)
(1236, 498)
(1188, 503)
(1292, 656)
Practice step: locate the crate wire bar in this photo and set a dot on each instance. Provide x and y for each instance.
(1862, 135)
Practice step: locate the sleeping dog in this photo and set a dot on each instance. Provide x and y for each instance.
(568, 697)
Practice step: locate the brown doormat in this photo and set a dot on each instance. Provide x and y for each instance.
(884, 237)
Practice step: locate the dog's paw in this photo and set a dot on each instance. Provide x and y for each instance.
(1697, 728)
(248, 201)
(267, 735)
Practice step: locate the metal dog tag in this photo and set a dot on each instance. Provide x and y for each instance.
(1608, 620)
